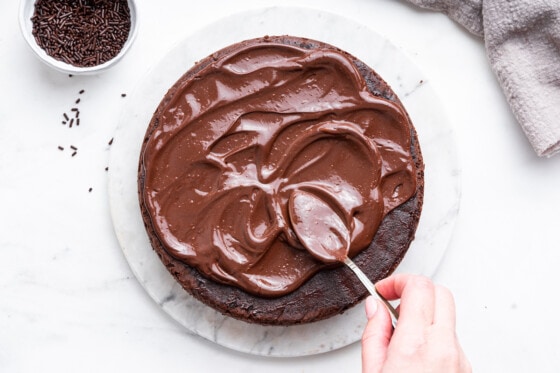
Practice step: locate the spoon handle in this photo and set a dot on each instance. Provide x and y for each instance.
(373, 291)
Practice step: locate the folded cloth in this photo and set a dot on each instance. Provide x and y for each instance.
(522, 39)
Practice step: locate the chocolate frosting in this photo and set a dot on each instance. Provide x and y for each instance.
(249, 131)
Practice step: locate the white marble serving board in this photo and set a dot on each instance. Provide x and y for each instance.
(442, 175)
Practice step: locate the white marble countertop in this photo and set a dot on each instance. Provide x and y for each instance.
(69, 301)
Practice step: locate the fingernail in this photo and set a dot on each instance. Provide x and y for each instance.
(371, 307)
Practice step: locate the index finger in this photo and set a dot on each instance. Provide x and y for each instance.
(417, 295)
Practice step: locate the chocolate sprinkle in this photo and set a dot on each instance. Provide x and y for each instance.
(76, 111)
(82, 33)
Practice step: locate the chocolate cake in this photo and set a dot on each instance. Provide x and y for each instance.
(237, 136)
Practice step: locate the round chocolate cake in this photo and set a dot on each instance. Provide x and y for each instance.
(261, 142)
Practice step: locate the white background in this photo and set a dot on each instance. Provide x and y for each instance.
(68, 301)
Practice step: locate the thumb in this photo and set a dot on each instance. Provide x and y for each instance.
(376, 336)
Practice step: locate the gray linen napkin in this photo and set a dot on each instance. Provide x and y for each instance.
(522, 39)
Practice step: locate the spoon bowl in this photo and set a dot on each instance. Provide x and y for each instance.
(325, 235)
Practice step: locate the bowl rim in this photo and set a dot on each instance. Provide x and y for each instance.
(26, 10)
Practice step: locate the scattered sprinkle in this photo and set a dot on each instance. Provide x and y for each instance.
(75, 152)
(90, 189)
(60, 148)
(123, 94)
(111, 141)
(76, 112)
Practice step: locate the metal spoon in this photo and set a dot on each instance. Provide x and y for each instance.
(325, 235)
(373, 291)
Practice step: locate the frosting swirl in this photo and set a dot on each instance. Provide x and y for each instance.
(246, 132)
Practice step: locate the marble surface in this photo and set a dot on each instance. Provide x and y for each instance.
(442, 177)
(69, 300)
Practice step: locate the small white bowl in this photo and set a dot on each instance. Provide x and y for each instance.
(27, 8)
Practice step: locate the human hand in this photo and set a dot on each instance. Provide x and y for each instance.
(424, 339)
